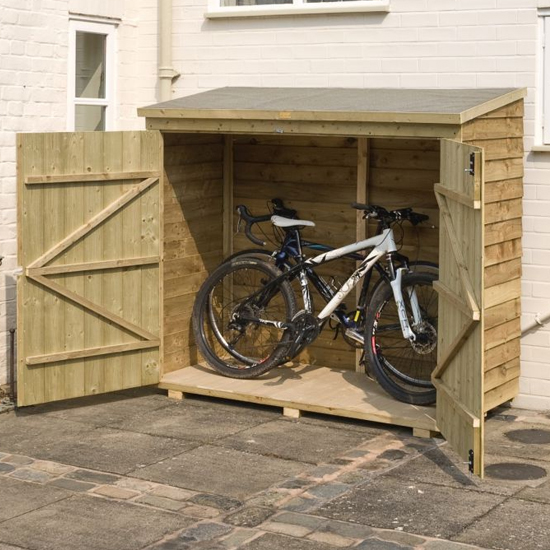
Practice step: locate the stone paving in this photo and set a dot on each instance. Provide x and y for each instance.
(337, 484)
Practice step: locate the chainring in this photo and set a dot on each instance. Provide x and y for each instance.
(304, 331)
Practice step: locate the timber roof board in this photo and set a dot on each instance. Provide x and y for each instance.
(424, 106)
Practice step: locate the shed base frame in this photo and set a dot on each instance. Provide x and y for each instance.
(308, 388)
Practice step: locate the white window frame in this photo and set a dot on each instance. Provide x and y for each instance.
(298, 7)
(109, 31)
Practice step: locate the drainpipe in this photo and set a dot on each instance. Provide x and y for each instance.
(166, 72)
(538, 322)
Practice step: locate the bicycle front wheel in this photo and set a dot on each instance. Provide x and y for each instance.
(402, 367)
(237, 318)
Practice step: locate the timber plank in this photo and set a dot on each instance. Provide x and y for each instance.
(501, 313)
(503, 333)
(151, 155)
(492, 128)
(502, 374)
(502, 252)
(500, 273)
(503, 190)
(503, 169)
(315, 389)
(113, 283)
(502, 292)
(502, 353)
(94, 155)
(295, 156)
(501, 394)
(500, 232)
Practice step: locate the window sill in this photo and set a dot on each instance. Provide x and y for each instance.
(299, 9)
(540, 149)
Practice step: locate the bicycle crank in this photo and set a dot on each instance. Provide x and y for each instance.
(305, 329)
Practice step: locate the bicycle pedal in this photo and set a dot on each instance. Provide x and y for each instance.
(354, 335)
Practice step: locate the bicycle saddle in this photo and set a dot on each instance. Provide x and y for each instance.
(279, 221)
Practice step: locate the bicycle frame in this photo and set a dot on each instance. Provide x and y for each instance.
(382, 244)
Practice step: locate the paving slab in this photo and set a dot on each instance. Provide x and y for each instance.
(272, 541)
(499, 440)
(87, 522)
(101, 410)
(541, 493)
(18, 497)
(221, 471)
(196, 420)
(73, 443)
(514, 525)
(442, 466)
(390, 503)
(314, 443)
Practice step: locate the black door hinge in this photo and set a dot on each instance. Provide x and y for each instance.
(471, 169)
(471, 461)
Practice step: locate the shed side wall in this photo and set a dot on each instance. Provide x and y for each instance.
(500, 133)
(193, 235)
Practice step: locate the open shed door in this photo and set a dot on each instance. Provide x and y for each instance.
(458, 376)
(89, 308)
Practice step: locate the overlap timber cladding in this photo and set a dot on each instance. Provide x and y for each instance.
(317, 176)
(193, 235)
(500, 133)
(402, 174)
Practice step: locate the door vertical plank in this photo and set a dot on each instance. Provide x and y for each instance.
(94, 380)
(151, 158)
(30, 387)
(131, 229)
(112, 280)
(54, 231)
(72, 162)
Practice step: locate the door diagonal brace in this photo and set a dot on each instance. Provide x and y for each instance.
(93, 223)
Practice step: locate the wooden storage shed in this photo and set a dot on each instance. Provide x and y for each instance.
(118, 230)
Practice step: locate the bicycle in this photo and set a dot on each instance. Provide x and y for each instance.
(287, 254)
(246, 320)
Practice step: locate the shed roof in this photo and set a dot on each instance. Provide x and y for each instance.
(423, 106)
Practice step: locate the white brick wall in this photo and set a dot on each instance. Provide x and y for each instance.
(420, 43)
(33, 84)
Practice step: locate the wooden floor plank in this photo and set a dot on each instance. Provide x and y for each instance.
(306, 388)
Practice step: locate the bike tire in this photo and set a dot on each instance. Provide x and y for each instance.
(402, 368)
(230, 345)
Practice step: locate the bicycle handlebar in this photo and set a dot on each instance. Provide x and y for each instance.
(385, 217)
(279, 209)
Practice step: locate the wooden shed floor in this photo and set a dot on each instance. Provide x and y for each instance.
(307, 388)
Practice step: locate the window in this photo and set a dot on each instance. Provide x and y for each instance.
(91, 76)
(240, 8)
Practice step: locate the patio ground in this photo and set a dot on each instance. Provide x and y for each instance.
(134, 470)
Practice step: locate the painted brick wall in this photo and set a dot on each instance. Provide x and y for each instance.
(420, 43)
(33, 98)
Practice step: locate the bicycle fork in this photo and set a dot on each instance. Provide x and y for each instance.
(401, 309)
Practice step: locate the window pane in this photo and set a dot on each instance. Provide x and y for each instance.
(318, 1)
(90, 65)
(253, 2)
(89, 117)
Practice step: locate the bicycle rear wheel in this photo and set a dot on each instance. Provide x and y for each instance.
(235, 316)
(403, 368)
